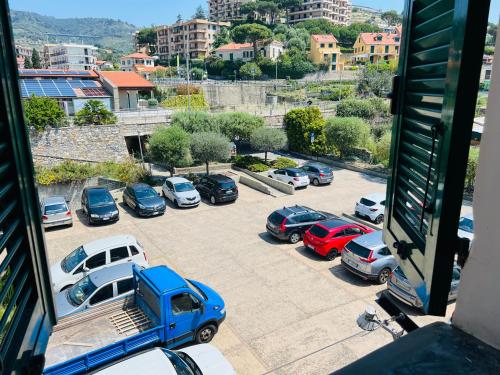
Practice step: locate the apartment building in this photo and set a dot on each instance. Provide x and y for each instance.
(225, 10)
(376, 47)
(128, 62)
(324, 50)
(336, 11)
(196, 36)
(245, 51)
(70, 56)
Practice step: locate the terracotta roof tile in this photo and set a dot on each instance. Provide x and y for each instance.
(126, 79)
(138, 56)
(380, 38)
(326, 38)
(234, 46)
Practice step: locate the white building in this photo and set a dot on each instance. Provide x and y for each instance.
(245, 51)
(128, 62)
(70, 56)
(336, 11)
(225, 10)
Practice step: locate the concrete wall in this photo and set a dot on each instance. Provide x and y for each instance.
(236, 94)
(478, 304)
(278, 185)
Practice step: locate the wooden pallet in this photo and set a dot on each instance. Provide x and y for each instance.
(130, 321)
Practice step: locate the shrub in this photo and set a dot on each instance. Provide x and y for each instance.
(283, 163)
(170, 146)
(196, 101)
(267, 140)
(195, 122)
(152, 103)
(197, 74)
(382, 152)
(41, 112)
(337, 93)
(237, 125)
(209, 146)
(347, 133)
(250, 71)
(94, 112)
(182, 89)
(382, 107)
(128, 171)
(246, 161)
(258, 167)
(300, 125)
(356, 108)
(378, 131)
(472, 165)
(377, 78)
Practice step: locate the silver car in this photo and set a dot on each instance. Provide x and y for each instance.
(181, 192)
(368, 257)
(319, 174)
(96, 289)
(55, 212)
(400, 288)
(466, 227)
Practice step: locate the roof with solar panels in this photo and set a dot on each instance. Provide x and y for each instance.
(60, 83)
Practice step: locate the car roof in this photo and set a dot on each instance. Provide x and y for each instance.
(177, 180)
(469, 215)
(376, 197)
(150, 361)
(335, 223)
(56, 199)
(139, 185)
(372, 241)
(164, 278)
(317, 165)
(90, 188)
(107, 242)
(220, 177)
(108, 274)
(293, 169)
(294, 210)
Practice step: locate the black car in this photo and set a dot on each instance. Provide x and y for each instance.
(290, 223)
(218, 188)
(99, 205)
(144, 200)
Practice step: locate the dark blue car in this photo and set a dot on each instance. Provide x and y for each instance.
(144, 200)
(99, 205)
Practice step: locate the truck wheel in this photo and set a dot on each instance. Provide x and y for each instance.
(206, 334)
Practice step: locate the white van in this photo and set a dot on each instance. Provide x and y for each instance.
(96, 255)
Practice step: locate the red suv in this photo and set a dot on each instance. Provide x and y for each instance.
(329, 237)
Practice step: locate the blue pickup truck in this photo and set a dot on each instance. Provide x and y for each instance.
(165, 310)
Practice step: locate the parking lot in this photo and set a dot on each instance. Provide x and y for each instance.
(288, 310)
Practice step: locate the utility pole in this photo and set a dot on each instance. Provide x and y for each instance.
(187, 70)
(276, 71)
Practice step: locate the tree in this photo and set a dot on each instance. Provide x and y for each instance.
(383, 149)
(222, 38)
(250, 70)
(252, 33)
(377, 78)
(147, 37)
(287, 4)
(197, 74)
(268, 140)
(353, 107)
(238, 126)
(347, 133)
(41, 112)
(170, 146)
(94, 112)
(472, 165)
(491, 37)
(392, 18)
(209, 146)
(27, 63)
(195, 122)
(305, 129)
(179, 18)
(36, 62)
(200, 13)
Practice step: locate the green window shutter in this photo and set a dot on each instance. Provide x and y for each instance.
(26, 306)
(434, 101)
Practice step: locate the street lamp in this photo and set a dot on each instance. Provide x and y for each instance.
(369, 321)
(140, 147)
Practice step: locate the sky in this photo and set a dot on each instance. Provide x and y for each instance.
(157, 12)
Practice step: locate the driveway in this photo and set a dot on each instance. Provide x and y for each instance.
(288, 311)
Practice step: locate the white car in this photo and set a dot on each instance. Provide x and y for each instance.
(466, 227)
(197, 359)
(291, 176)
(371, 206)
(181, 192)
(96, 255)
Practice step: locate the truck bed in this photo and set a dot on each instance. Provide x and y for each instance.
(86, 332)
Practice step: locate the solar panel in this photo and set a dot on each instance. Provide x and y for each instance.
(55, 88)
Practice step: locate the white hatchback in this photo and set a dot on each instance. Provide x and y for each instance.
(371, 206)
(94, 256)
(291, 176)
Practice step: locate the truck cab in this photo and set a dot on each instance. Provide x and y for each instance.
(164, 310)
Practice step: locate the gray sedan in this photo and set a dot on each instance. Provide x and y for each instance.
(318, 173)
(55, 212)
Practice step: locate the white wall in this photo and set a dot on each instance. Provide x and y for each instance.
(478, 305)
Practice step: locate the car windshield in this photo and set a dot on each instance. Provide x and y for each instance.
(192, 364)
(197, 290)
(466, 224)
(98, 198)
(55, 209)
(357, 249)
(276, 218)
(326, 170)
(146, 193)
(318, 231)
(181, 368)
(227, 185)
(184, 186)
(73, 259)
(296, 173)
(82, 290)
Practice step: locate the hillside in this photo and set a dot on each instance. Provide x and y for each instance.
(30, 29)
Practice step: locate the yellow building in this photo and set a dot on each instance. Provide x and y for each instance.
(376, 47)
(324, 50)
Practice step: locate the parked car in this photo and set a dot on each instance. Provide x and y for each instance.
(318, 173)
(99, 206)
(203, 359)
(144, 200)
(329, 237)
(290, 223)
(55, 212)
(96, 289)
(368, 257)
(94, 256)
(291, 176)
(181, 192)
(371, 206)
(466, 227)
(218, 188)
(400, 288)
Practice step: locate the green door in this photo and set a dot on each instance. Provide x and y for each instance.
(433, 102)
